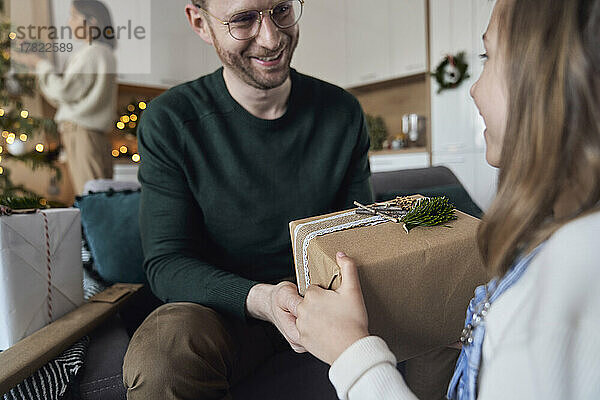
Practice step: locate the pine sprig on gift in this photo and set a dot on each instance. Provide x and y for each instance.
(429, 212)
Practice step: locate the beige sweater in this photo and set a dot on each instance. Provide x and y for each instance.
(86, 93)
(542, 334)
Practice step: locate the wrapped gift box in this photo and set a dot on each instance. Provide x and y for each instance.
(33, 291)
(416, 286)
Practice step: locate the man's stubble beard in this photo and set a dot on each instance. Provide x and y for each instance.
(241, 65)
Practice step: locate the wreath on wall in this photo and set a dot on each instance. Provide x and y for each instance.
(451, 71)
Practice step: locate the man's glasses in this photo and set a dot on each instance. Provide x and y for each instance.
(245, 25)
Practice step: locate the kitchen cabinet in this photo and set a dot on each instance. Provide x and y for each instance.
(456, 126)
(346, 42)
(321, 51)
(485, 180)
(368, 41)
(386, 39)
(394, 162)
(461, 165)
(455, 26)
(452, 111)
(408, 37)
(473, 171)
(379, 163)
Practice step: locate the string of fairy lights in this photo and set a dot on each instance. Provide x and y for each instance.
(127, 124)
(11, 138)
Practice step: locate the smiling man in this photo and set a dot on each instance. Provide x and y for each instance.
(227, 161)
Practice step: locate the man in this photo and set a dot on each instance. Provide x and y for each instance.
(227, 161)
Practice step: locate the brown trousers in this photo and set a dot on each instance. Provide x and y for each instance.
(188, 351)
(88, 154)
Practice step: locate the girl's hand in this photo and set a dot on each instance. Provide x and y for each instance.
(330, 321)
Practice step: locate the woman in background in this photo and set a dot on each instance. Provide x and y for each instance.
(533, 331)
(85, 95)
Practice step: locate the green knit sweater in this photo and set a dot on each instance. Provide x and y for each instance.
(219, 186)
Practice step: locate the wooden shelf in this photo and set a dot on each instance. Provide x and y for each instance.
(385, 84)
(408, 150)
(139, 91)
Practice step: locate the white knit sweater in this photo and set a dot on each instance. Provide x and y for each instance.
(542, 336)
(86, 93)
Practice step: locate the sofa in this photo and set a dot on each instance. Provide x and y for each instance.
(286, 375)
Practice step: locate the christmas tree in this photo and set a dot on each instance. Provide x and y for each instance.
(16, 124)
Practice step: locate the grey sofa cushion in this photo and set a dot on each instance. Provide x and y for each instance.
(434, 181)
(102, 375)
(418, 178)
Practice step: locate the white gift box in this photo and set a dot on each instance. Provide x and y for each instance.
(41, 272)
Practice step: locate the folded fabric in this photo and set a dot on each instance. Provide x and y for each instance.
(52, 381)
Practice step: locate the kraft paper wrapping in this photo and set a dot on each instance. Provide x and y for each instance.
(416, 286)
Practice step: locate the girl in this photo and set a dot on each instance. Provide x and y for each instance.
(530, 332)
(86, 95)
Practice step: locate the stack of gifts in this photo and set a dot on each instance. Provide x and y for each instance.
(40, 270)
(417, 260)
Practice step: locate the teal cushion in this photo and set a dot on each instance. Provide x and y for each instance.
(110, 225)
(455, 192)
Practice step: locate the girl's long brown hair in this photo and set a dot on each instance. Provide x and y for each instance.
(550, 163)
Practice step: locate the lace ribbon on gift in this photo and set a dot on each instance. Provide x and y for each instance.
(48, 264)
(304, 233)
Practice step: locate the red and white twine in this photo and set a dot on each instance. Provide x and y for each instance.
(48, 265)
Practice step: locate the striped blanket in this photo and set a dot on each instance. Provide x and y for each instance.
(53, 380)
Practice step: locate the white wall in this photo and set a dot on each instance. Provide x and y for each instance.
(172, 53)
(178, 54)
(133, 55)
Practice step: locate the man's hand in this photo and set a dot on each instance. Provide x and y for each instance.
(277, 304)
(330, 321)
